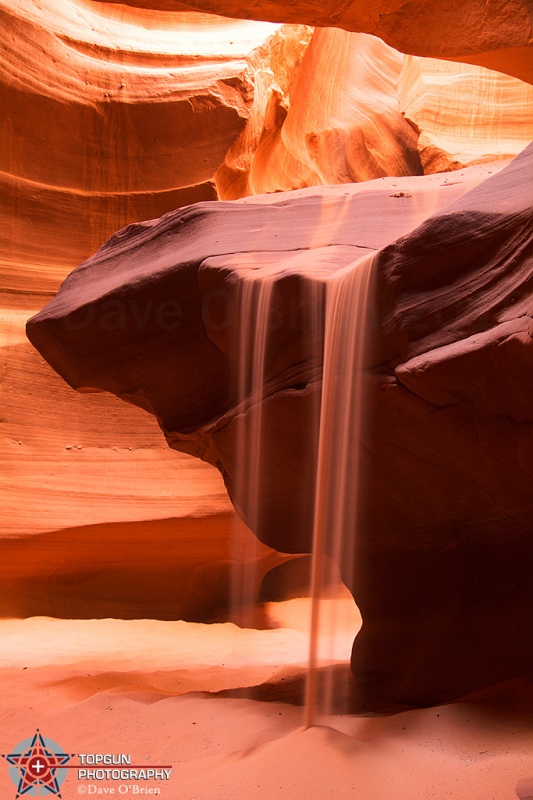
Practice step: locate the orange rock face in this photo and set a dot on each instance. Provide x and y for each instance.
(494, 35)
(111, 115)
(338, 125)
(465, 114)
(106, 119)
(120, 121)
(373, 112)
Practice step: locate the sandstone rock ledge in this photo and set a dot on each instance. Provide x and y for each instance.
(443, 550)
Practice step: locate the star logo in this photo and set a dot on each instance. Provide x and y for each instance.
(36, 766)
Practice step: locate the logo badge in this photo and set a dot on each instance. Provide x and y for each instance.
(36, 766)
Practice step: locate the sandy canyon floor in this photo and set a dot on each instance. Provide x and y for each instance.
(222, 706)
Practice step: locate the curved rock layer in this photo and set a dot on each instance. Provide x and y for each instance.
(96, 507)
(465, 114)
(443, 562)
(372, 112)
(336, 125)
(496, 35)
(106, 119)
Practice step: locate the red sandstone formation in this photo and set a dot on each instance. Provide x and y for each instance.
(465, 114)
(336, 125)
(443, 560)
(107, 117)
(258, 160)
(120, 121)
(373, 112)
(495, 35)
(448, 453)
(114, 115)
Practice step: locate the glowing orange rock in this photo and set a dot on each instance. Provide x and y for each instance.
(111, 119)
(465, 114)
(344, 124)
(496, 35)
(107, 117)
(334, 125)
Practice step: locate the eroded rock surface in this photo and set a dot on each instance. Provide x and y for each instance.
(106, 118)
(114, 115)
(443, 560)
(372, 112)
(336, 125)
(465, 114)
(495, 35)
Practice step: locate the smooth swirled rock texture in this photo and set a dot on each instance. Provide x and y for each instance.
(110, 120)
(372, 112)
(112, 115)
(443, 562)
(336, 125)
(465, 114)
(496, 34)
(107, 116)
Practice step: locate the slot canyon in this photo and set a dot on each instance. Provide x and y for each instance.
(267, 399)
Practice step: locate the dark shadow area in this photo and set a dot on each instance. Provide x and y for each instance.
(508, 705)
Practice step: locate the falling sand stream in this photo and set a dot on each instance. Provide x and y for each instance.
(335, 517)
(340, 333)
